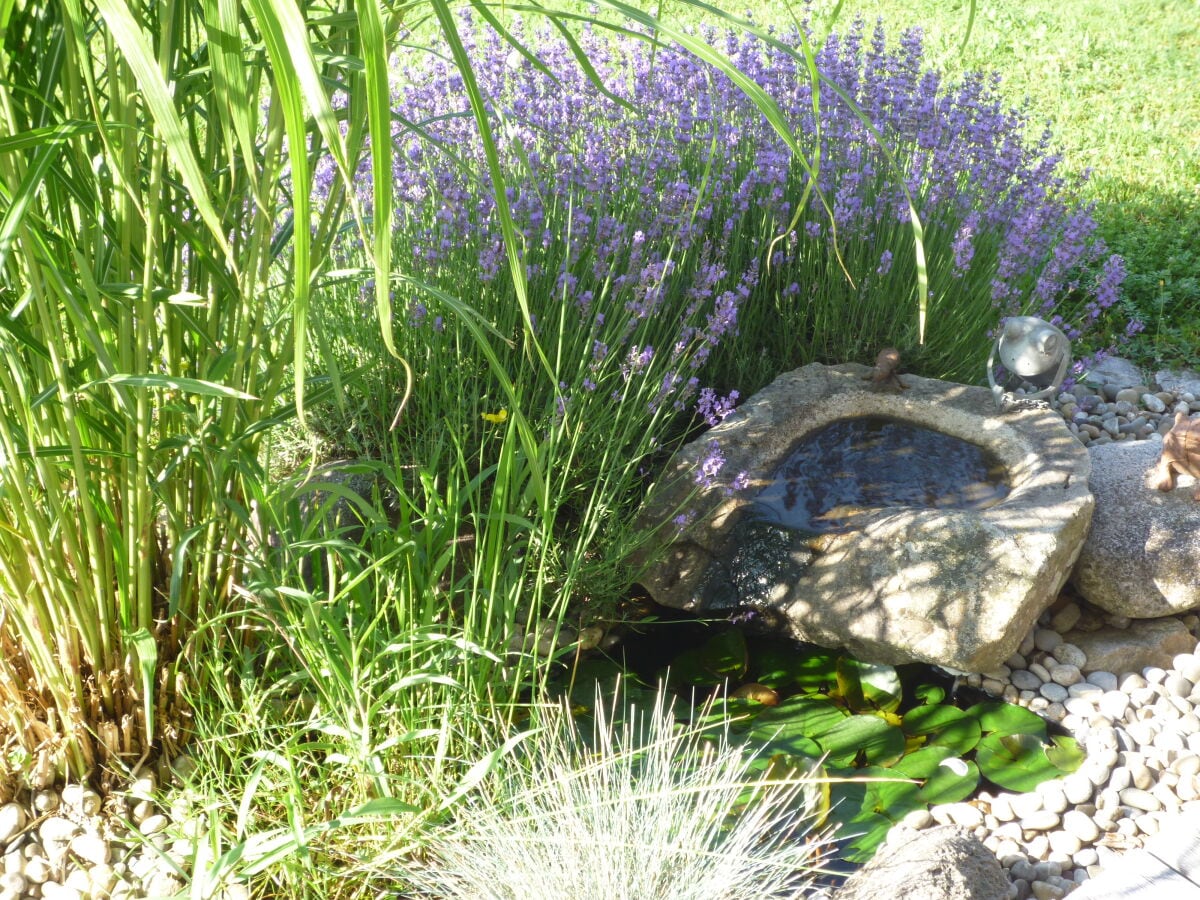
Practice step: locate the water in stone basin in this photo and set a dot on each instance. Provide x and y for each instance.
(854, 466)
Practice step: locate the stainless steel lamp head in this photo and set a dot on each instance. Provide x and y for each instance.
(1031, 350)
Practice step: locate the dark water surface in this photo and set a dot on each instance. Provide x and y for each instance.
(855, 466)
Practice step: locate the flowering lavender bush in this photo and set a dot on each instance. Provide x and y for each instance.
(649, 212)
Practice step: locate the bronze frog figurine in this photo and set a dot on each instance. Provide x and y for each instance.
(1180, 454)
(884, 376)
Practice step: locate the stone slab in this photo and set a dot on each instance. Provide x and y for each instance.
(956, 587)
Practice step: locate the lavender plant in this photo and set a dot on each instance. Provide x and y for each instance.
(669, 264)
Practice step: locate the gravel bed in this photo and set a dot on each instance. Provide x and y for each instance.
(71, 844)
(1140, 730)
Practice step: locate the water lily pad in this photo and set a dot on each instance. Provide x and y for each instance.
(954, 779)
(1064, 753)
(796, 724)
(865, 739)
(815, 672)
(945, 726)
(889, 793)
(922, 763)
(720, 658)
(1015, 762)
(868, 686)
(930, 693)
(998, 717)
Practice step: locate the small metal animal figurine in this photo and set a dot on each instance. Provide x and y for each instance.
(1180, 453)
(884, 376)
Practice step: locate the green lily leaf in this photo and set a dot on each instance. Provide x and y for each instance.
(922, 763)
(725, 655)
(1064, 753)
(869, 831)
(737, 712)
(954, 779)
(772, 665)
(867, 738)
(719, 659)
(1015, 762)
(998, 717)
(796, 724)
(815, 672)
(931, 694)
(889, 793)
(868, 686)
(945, 726)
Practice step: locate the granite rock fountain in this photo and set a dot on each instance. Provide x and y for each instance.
(914, 524)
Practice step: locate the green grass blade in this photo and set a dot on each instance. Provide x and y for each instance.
(169, 127)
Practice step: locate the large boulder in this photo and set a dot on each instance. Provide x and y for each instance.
(1142, 557)
(956, 587)
(944, 863)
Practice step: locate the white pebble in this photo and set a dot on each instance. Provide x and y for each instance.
(91, 848)
(12, 820)
(37, 869)
(1077, 788)
(1113, 704)
(153, 824)
(1025, 680)
(52, 890)
(1081, 826)
(81, 799)
(57, 829)
(1139, 799)
(1065, 843)
(1187, 665)
(1042, 820)
(1044, 890)
(1025, 805)
(1054, 798)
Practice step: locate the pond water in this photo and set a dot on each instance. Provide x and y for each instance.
(855, 466)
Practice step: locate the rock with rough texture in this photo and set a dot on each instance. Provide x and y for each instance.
(1142, 556)
(945, 863)
(1180, 382)
(1146, 642)
(1114, 371)
(956, 587)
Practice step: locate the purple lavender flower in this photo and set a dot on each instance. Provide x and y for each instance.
(710, 466)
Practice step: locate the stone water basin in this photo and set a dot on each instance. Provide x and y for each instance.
(853, 467)
(945, 561)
